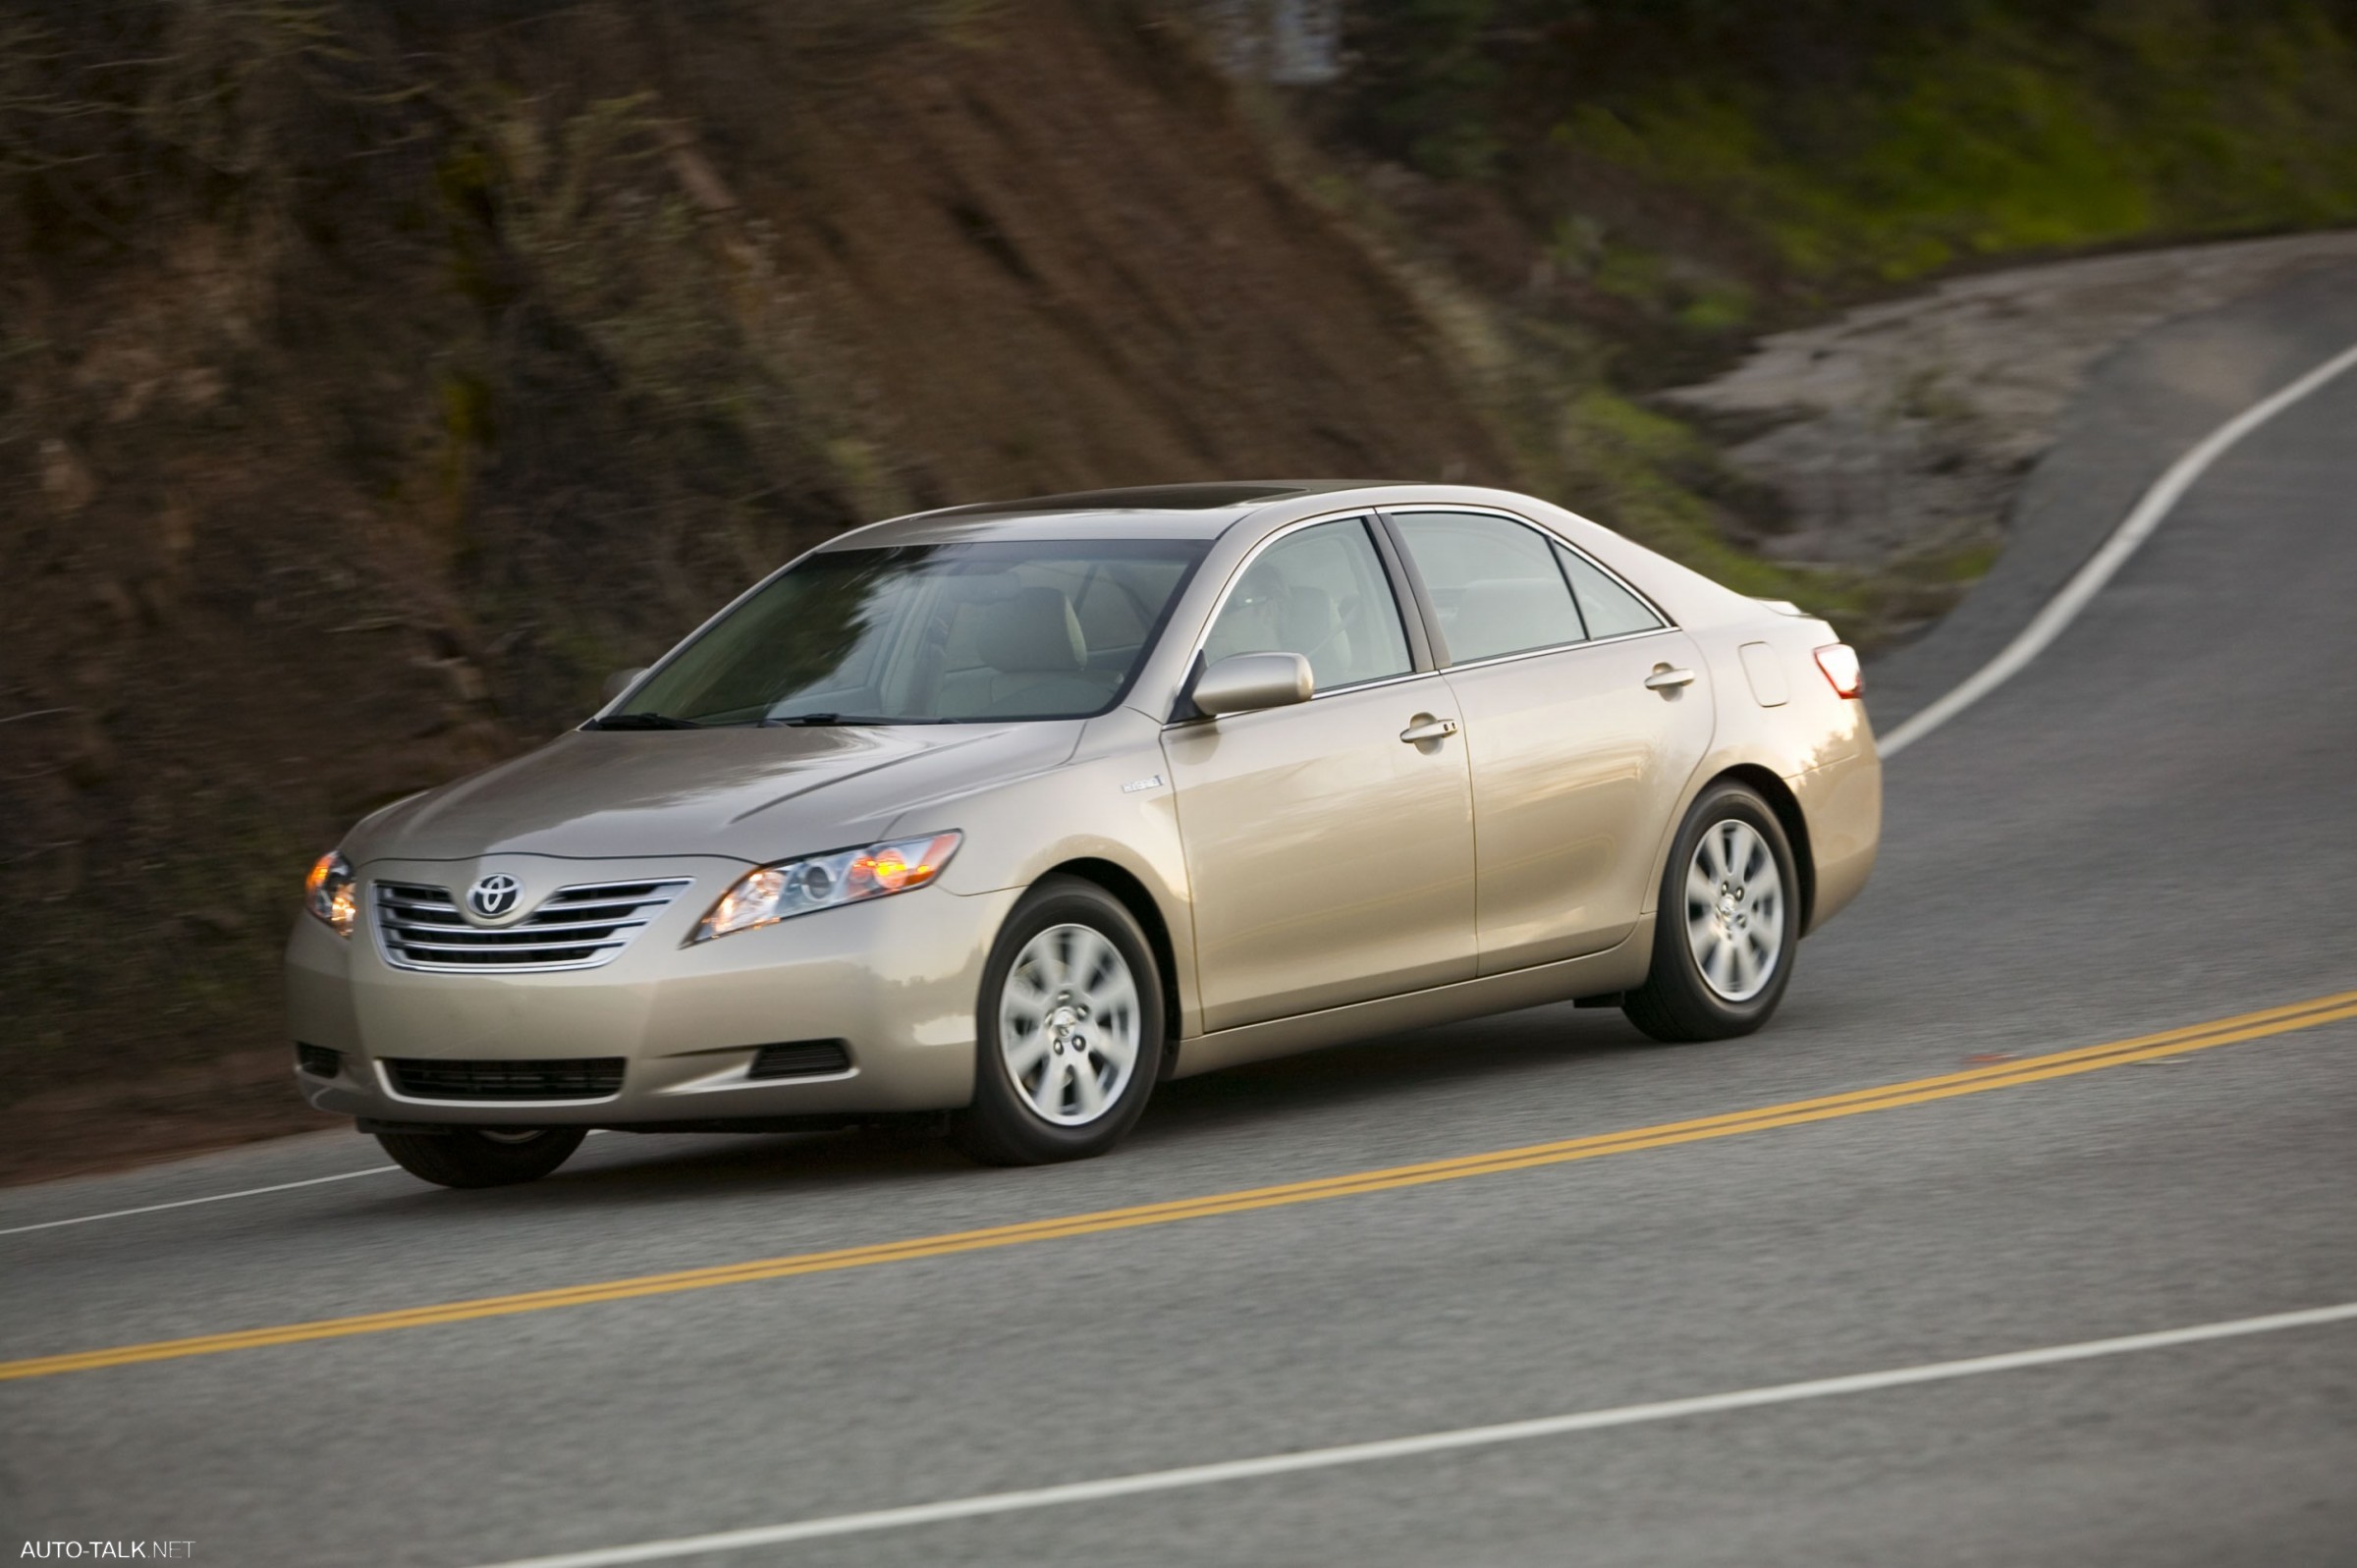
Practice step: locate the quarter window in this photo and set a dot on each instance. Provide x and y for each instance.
(1319, 592)
(1493, 584)
(1609, 609)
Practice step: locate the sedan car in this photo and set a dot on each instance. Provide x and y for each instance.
(1001, 814)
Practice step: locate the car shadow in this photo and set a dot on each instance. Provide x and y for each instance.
(1405, 1066)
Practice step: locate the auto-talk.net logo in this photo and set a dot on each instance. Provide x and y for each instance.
(106, 1551)
(493, 896)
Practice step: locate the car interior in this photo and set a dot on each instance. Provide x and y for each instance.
(1041, 639)
(1320, 592)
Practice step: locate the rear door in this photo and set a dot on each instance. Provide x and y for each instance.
(1331, 860)
(1577, 763)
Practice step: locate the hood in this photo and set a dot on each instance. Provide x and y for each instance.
(750, 794)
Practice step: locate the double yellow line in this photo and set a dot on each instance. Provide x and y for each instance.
(1793, 1114)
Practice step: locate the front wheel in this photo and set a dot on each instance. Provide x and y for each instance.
(1729, 922)
(482, 1157)
(1069, 1030)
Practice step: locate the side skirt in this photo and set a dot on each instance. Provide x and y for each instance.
(1595, 974)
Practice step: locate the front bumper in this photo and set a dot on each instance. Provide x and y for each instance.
(894, 978)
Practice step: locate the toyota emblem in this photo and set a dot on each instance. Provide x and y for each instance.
(493, 896)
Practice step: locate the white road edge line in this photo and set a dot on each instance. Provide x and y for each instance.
(183, 1202)
(2150, 510)
(218, 1197)
(1004, 1502)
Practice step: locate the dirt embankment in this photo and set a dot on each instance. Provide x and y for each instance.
(365, 397)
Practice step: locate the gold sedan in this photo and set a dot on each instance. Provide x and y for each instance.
(1012, 811)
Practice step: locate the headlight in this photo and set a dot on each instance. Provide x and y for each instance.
(331, 893)
(821, 882)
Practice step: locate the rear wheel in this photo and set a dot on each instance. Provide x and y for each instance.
(482, 1157)
(1069, 1030)
(1729, 920)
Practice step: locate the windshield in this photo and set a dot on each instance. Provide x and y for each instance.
(929, 635)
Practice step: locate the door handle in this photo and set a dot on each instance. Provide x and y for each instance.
(1428, 729)
(1666, 679)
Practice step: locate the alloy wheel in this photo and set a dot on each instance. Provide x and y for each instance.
(1069, 1025)
(1734, 910)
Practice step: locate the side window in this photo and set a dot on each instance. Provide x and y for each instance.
(1494, 583)
(1611, 610)
(1319, 592)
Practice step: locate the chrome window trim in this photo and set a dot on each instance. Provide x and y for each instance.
(1555, 647)
(1391, 514)
(1364, 513)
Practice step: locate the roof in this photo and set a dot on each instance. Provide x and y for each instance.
(1157, 511)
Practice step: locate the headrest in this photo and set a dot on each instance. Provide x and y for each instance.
(1507, 614)
(1032, 630)
(1306, 619)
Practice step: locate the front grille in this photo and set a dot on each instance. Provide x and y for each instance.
(568, 1078)
(801, 1059)
(419, 927)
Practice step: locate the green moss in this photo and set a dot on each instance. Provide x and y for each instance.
(1627, 272)
(1967, 567)
(875, 491)
(2012, 137)
(467, 408)
(1648, 476)
(1717, 307)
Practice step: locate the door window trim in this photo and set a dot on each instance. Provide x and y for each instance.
(1408, 596)
(1421, 653)
(1440, 640)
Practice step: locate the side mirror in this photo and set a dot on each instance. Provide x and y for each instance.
(621, 681)
(1245, 682)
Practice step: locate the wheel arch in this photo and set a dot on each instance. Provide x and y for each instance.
(1134, 897)
(1790, 817)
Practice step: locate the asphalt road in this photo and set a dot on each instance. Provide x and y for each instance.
(2152, 827)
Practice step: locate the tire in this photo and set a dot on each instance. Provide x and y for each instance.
(1067, 1030)
(487, 1157)
(1729, 923)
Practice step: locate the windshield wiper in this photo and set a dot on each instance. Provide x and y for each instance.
(642, 721)
(818, 721)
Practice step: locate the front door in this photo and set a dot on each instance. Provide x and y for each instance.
(1330, 860)
(1578, 764)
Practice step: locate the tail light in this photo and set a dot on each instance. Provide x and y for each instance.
(1839, 662)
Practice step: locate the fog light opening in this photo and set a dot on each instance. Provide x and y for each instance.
(801, 1059)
